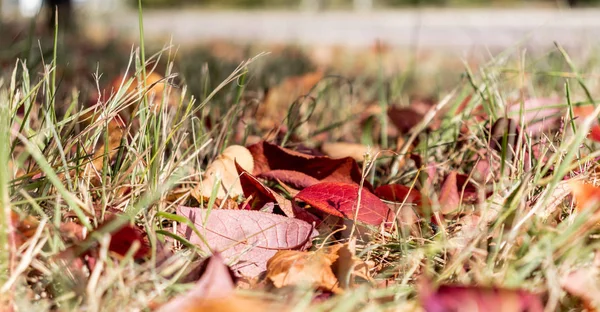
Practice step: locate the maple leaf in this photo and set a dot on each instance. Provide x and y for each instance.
(248, 237)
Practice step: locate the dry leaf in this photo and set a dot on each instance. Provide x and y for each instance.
(279, 98)
(290, 267)
(260, 195)
(344, 149)
(155, 86)
(333, 269)
(348, 267)
(223, 171)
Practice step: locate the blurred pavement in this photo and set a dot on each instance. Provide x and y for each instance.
(451, 28)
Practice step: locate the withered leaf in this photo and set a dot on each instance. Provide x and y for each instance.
(223, 170)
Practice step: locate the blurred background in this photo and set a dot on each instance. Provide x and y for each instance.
(415, 48)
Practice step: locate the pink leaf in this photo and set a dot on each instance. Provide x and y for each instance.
(250, 238)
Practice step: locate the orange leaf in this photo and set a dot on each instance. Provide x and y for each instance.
(586, 195)
(290, 267)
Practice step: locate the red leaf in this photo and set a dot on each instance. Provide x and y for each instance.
(479, 299)
(594, 133)
(269, 157)
(404, 118)
(260, 194)
(297, 180)
(122, 240)
(340, 199)
(249, 237)
(398, 193)
(449, 196)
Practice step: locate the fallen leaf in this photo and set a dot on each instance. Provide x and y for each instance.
(280, 97)
(261, 195)
(122, 239)
(295, 179)
(154, 87)
(449, 197)
(404, 118)
(291, 267)
(587, 196)
(537, 116)
(275, 162)
(223, 171)
(594, 133)
(340, 199)
(353, 150)
(475, 298)
(504, 135)
(583, 283)
(214, 291)
(348, 267)
(334, 268)
(248, 238)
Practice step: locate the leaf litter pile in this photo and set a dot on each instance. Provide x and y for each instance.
(314, 195)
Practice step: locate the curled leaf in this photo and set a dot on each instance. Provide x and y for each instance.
(224, 172)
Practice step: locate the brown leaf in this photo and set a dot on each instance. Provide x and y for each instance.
(343, 149)
(290, 267)
(333, 268)
(248, 237)
(270, 157)
(348, 267)
(399, 193)
(404, 118)
(279, 98)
